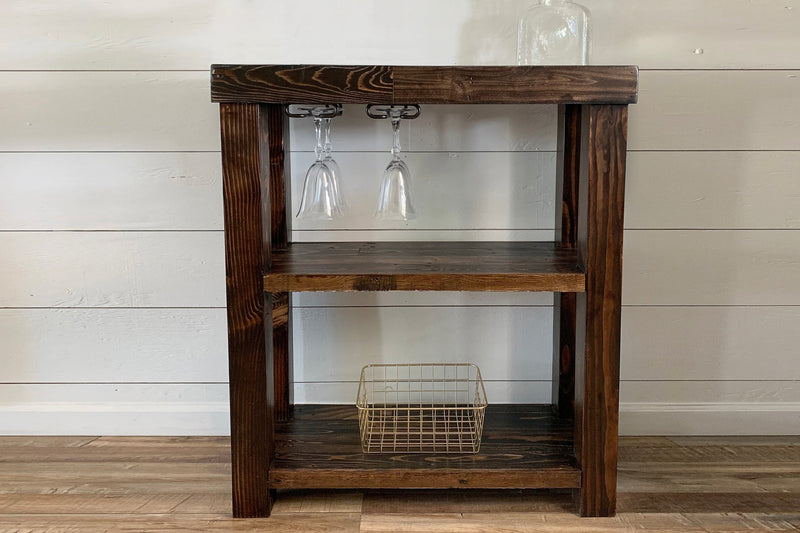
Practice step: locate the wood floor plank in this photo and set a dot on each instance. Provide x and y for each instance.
(473, 501)
(183, 484)
(318, 502)
(522, 523)
(711, 454)
(114, 478)
(43, 442)
(735, 440)
(212, 503)
(174, 453)
(286, 523)
(90, 503)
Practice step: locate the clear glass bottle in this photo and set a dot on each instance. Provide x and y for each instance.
(554, 32)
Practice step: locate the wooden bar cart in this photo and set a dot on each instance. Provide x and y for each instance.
(277, 445)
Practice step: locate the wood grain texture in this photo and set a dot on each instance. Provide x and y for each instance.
(566, 221)
(600, 221)
(310, 84)
(523, 446)
(245, 159)
(181, 484)
(423, 85)
(519, 85)
(440, 266)
(279, 182)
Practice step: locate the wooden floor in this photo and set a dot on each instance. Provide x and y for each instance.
(182, 484)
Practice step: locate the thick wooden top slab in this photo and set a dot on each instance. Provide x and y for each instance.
(373, 84)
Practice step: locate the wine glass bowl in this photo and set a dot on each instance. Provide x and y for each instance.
(394, 198)
(322, 198)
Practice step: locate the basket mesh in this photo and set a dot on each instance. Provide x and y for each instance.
(421, 408)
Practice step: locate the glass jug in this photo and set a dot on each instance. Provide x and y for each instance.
(554, 32)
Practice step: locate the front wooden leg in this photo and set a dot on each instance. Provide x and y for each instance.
(600, 221)
(245, 156)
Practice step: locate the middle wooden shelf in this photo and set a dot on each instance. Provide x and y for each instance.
(425, 266)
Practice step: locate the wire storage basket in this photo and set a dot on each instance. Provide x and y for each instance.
(421, 408)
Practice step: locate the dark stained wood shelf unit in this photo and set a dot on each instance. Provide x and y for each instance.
(523, 446)
(575, 446)
(425, 266)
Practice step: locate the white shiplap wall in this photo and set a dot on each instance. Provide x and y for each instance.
(111, 256)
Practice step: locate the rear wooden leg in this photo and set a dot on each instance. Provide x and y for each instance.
(569, 127)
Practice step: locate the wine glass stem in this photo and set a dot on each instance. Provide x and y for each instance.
(328, 147)
(318, 149)
(396, 141)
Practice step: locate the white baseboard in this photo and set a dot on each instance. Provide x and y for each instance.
(710, 418)
(115, 418)
(211, 418)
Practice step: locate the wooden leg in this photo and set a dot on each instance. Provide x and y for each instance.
(280, 226)
(282, 347)
(247, 254)
(569, 123)
(600, 221)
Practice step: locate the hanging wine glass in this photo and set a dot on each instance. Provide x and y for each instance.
(394, 199)
(322, 197)
(331, 163)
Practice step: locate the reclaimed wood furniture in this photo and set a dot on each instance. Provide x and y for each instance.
(277, 445)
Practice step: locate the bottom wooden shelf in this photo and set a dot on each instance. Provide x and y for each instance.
(523, 446)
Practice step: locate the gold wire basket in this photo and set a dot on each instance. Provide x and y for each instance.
(421, 408)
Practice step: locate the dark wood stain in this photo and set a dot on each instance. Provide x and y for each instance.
(524, 446)
(454, 266)
(424, 85)
(569, 129)
(518, 85)
(601, 201)
(249, 312)
(309, 84)
(278, 178)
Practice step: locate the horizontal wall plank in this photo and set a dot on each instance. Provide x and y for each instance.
(422, 235)
(184, 269)
(114, 409)
(440, 128)
(166, 191)
(152, 35)
(713, 190)
(760, 418)
(709, 391)
(124, 393)
(111, 191)
(112, 269)
(716, 110)
(710, 343)
(711, 268)
(677, 110)
(202, 409)
(113, 345)
(496, 392)
(420, 298)
(505, 343)
(686, 34)
(107, 111)
(450, 190)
